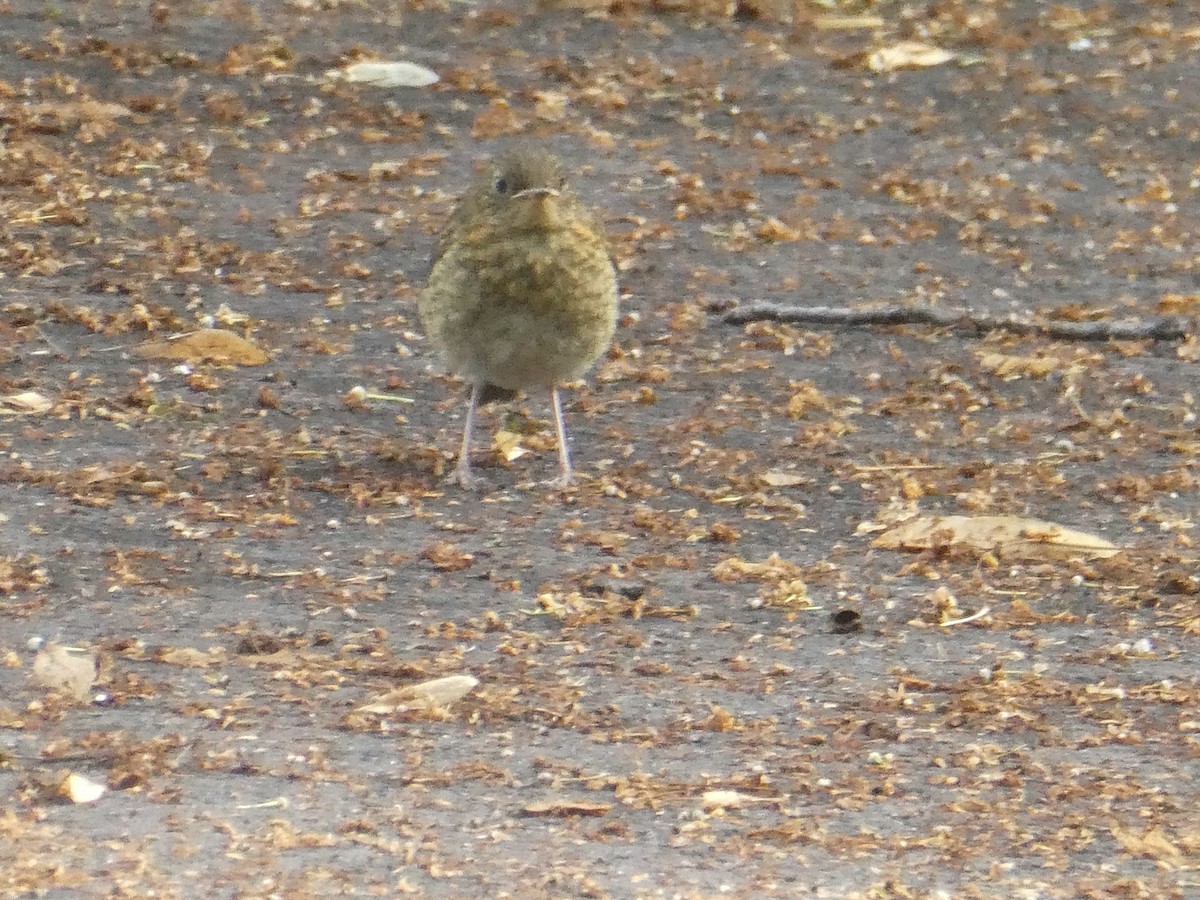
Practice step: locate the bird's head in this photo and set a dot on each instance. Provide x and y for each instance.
(527, 188)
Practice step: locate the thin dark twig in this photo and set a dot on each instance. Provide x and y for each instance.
(1169, 328)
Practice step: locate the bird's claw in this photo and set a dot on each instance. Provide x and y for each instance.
(466, 479)
(562, 482)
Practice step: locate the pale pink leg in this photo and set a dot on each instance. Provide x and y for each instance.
(564, 455)
(463, 469)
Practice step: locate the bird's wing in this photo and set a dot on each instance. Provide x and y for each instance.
(448, 234)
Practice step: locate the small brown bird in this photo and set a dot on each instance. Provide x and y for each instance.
(522, 293)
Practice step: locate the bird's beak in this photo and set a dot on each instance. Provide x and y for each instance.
(543, 208)
(539, 192)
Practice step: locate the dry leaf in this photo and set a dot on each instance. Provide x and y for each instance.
(447, 557)
(1011, 368)
(85, 110)
(907, 55)
(776, 230)
(1011, 537)
(25, 403)
(832, 22)
(733, 799)
(207, 345)
(734, 568)
(782, 479)
(807, 398)
(782, 581)
(1189, 349)
(63, 668)
(551, 105)
(378, 73)
(568, 808)
(583, 5)
(82, 790)
(443, 691)
(945, 605)
(1152, 843)
(436, 694)
(508, 444)
(188, 656)
(945, 611)
(1179, 304)
(227, 315)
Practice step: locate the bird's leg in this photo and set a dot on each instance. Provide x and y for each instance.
(564, 455)
(463, 470)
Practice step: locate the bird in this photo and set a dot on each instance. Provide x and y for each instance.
(522, 291)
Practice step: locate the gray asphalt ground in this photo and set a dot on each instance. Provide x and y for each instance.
(665, 705)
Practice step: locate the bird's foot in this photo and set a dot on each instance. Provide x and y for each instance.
(563, 481)
(466, 478)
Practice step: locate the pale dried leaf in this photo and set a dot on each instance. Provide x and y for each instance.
(508, 445)
(85, 110)
(945, 604)
(188, 657)
(1011, 537)
(1152, 843)
(567, 808)
(724, 799)
(82, 790)
(1011, 368)
(782, 479)
(25, 403)
(207, 345)
(734, 568)
(1189, 349)
(834, 22)
(551, 105)
(444, 691)
(63, 668)
(436, 694)
(907, 55)
(378, 73)
(227, 315)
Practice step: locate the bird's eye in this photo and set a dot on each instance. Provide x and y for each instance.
(501, 186)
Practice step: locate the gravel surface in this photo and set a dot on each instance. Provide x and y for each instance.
(705, 669)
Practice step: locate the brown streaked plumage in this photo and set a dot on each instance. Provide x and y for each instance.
(522, 293)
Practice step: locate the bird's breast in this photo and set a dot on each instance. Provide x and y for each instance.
(544, 268)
